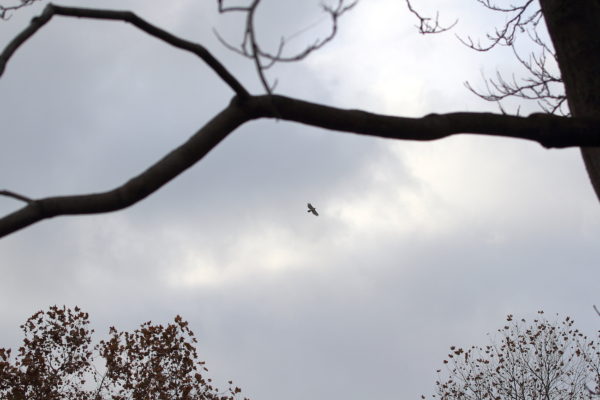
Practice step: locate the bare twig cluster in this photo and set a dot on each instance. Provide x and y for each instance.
(5, 11)
(518, 19)
(543, 83)
(264, 59)
(429, 25)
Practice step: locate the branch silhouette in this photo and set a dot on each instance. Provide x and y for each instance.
(551, 131)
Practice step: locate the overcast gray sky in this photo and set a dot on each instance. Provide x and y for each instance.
(418, 246)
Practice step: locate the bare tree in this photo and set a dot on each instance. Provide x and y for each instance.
(547, 360)
(571, 26)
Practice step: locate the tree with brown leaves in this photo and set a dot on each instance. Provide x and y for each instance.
(57, 362)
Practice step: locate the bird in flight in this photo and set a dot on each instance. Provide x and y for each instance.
(313, 210)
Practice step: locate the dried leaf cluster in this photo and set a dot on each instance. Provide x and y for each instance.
(58, 362)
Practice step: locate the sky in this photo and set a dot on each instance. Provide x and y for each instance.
(417, 246)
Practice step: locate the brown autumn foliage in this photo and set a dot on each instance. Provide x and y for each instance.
(540, 360)
(58, 362)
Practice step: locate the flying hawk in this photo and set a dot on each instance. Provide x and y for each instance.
(313, 210)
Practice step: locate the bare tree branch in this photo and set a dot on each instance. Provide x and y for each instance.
(426, 24)
(138, 187)
(548, 130)
(506, 36)
(126, 16)
(14, 195)
(543, 83)
(551, 131)
(6, 10)
(263, 59)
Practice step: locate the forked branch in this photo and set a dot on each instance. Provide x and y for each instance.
(5, 11)
(263, 59)
(137, 188)
(548, 130)
(428, 25)
(126, 16)
(8, 193)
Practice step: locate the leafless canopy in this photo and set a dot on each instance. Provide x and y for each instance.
(548, 130)
(542, 82)
(537, 360)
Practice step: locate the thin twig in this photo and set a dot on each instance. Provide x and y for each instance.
(5, 10)
(17, 196)
(541, 84)
(425, 26)
(262, 59)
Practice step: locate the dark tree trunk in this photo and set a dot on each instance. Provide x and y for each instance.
(574, 27)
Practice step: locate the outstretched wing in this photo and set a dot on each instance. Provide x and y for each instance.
(312, 209)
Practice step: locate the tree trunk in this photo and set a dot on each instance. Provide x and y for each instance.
(574, 29)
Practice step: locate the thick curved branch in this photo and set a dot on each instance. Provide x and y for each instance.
(551, 131)
(126, 16)
(136, 188)
(548, 130)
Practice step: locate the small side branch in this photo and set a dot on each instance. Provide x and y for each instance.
(126, 16)
(518, 20)
(428, 25)
(14, 195)
(5, 11)
(263, 60)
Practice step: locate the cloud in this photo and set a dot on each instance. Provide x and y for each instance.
(418, 245)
